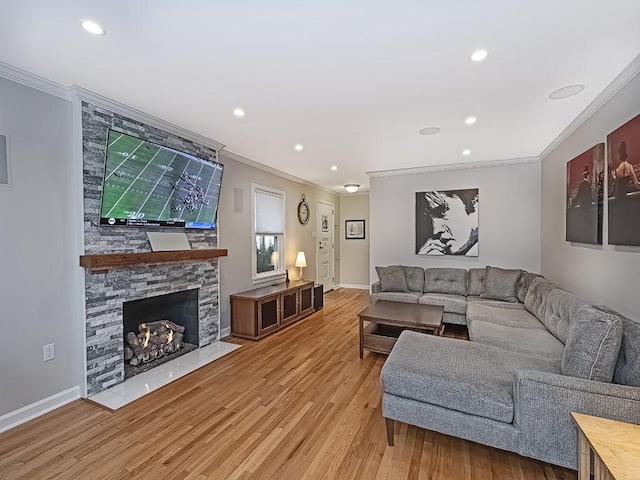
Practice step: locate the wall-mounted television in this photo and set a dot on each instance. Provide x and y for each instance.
(146, 184)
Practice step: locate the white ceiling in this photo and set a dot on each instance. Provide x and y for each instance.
(353, 81)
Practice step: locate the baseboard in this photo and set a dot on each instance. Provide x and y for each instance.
(225, 332)
(24, 414)
(352, 285)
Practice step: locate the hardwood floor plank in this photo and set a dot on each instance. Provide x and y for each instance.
(299, 404)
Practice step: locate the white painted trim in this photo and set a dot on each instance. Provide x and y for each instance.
(7, 139)
(34, 81)
(36, 409)
(450, 167)
(333, 242)
(359, 193)
(352, 285)
(225, 332)
(258, 278)
(252, 163)
(628, 74)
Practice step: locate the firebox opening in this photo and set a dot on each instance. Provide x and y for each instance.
(159, 329)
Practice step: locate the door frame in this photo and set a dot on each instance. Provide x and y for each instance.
(332, 231)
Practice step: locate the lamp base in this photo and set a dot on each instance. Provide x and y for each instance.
(300, 276)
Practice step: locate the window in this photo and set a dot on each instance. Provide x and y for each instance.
(268, 231)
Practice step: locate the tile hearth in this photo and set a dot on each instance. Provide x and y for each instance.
(144, 383)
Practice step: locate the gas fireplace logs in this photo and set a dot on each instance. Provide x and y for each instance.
(155, 340)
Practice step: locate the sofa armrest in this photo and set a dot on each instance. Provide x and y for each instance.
(543, 404)
(376, 287)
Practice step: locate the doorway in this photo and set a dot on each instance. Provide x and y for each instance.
(325, 256)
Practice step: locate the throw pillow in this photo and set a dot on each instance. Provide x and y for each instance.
(476, 277)
(627, 370)
(593, 344)
(392, 279)
(501, 284)
(415, 278)
(523, 285)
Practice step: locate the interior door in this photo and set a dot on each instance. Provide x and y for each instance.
(324, 244)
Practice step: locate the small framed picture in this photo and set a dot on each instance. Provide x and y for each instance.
(5, 162)
(354, 229)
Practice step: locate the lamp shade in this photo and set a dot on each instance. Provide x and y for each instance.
(301, 260)
(275, 258)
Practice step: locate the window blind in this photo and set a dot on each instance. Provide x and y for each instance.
(269, 213)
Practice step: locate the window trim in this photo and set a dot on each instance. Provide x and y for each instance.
(281, 272)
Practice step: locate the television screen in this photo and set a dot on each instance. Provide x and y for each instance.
(147, 184)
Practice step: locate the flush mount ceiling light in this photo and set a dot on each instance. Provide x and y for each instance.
(470, 120)
(92, 27)
(478, 55)
(566, 92)
(351, 187)
(466, 152)
(334, 167)
(238, 112)
(298, 147)
(429, 131)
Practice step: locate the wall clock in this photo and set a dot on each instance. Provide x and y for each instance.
(303, 211)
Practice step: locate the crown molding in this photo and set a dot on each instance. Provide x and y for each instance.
(359, 193)
(34, 81)
(274, 171)
(75, 93)
(451, 167)
(628, 74)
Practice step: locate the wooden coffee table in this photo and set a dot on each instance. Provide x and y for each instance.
(386, 321)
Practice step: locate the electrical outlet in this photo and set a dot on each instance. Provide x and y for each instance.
(48, 352)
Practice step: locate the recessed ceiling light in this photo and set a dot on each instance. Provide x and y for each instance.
(298, 147)
(334, 168)
(470, 120)
(429, 131)
(351, 187)
(238, 112)
(566, 92)
(466, 152)
(478, 55)
(92, 27)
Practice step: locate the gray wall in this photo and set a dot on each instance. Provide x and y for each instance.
(604, 274)
(509, 217)
(354, 254)
(38, 265)
(235, 231)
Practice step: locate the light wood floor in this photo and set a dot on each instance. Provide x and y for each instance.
(297, 405)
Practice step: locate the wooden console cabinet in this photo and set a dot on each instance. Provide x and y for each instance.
(262, 311)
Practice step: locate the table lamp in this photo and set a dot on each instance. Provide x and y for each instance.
(301, 261)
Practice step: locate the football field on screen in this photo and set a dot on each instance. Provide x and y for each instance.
(150, 182)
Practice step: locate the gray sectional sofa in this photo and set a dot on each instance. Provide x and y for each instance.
(536, 353)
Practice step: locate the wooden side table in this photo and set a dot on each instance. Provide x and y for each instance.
(615, 447)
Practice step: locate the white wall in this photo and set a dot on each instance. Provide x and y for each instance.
(604, 274)
(354, 254)
(235, 230)
(37, 255)
(509, 222)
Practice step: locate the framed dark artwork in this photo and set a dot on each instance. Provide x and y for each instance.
(624, 184)
(584, 198)
(354, 230)
(447, 222)
(5, 162)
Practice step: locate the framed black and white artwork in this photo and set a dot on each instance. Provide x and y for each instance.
(354, 230)
(5, 162)
(447, 222)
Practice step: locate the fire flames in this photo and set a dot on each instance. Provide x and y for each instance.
(170, 335)
(154, 340)
(147, 336)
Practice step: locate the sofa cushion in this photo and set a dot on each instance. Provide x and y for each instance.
(405, 297)
(593, 345)
(476, 278)
(445, 280)
(524, 283)
(501, 284)
(415, 278)
(536, 298)
(526, 341)
(456, 374)
(507, 314)
(451, 303)
(561, 308)
(627, 370)
(392, 278)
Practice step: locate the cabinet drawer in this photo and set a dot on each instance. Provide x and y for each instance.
(380, 338)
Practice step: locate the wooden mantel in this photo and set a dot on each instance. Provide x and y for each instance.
(106, 261)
